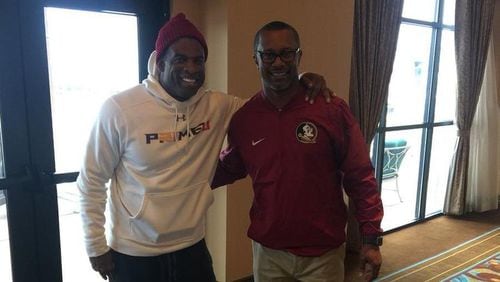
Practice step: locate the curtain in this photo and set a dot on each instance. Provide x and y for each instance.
(473, 20)
(375, 37)
(483, 179)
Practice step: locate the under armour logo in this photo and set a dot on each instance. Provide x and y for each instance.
(183, 117)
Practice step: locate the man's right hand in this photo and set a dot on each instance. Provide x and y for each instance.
(103, 264)
(371, 259)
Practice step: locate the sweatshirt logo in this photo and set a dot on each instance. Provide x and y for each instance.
(172, 136)
(306, 132)
(182, 116)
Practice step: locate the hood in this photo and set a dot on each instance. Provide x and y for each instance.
(154, 87)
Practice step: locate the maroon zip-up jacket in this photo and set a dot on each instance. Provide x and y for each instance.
(299, 158)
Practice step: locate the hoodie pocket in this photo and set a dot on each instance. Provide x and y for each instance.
(174, 216)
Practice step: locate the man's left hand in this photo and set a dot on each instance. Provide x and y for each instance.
(103, 264)
(371, 260)
(315, 85)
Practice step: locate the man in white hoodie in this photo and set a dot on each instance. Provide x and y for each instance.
(158, 143)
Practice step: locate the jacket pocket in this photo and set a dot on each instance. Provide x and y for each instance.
(174, 216)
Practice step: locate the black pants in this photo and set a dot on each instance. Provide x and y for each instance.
(192, 264)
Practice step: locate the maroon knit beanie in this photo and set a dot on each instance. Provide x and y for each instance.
(174, 29)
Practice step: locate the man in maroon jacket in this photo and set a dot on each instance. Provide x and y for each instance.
(299, 157)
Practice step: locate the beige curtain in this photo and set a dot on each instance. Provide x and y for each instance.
(375, 37)
(483, 184)
(472, 35)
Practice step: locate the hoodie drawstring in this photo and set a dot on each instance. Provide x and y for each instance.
(175, 124)
(188, 123)
(188, 129)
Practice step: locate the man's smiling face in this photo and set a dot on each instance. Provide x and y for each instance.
(182, 68)
(280, 73)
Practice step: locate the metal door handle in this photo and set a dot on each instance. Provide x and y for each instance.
(58, 178)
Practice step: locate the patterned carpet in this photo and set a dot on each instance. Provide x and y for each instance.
(486, 270)
(475, 260)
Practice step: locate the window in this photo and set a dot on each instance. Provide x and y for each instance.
(413, 147)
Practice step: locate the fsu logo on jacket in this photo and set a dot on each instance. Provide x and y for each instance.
(306, 132)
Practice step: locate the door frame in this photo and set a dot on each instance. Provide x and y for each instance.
(26, 126)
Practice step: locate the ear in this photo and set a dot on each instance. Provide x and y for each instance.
(255, 61)
(299, 56)
(160, 66)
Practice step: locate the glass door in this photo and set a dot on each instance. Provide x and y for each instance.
(59, 60)
(91, 56)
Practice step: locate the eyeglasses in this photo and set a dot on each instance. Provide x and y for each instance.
(286, 55)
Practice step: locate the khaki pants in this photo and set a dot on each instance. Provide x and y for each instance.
(276, 265)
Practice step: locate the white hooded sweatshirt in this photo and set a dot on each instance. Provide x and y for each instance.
(160, 155)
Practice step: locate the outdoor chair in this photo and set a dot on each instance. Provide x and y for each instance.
(394, 153)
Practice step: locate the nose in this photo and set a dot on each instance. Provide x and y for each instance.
(192, 66)
(278, 61)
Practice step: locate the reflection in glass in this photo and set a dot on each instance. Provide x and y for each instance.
(424, 10)
(447, 79)
(91, 57)
(443, 143)
(400, 177)
(408, 86)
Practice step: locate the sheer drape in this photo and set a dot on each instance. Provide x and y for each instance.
(375, 37)
(483, 183)
(473, 20)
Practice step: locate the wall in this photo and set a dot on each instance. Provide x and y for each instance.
(496, 38)
(325, 28)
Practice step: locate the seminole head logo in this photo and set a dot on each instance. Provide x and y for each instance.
(306, 132)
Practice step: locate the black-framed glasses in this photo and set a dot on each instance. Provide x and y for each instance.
(286, 55)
